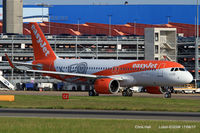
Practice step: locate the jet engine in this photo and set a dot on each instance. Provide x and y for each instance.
(106, 86)
(155, 90)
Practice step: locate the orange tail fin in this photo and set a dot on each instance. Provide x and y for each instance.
(42, 49)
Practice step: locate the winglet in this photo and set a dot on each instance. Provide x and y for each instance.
(10, 62)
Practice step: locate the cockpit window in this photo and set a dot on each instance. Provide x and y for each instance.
(181, 69)
(178, 69)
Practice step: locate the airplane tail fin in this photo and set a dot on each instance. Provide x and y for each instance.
(42, 49)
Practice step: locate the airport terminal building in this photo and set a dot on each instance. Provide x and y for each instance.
(135, 32)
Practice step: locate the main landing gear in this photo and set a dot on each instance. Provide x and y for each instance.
(127, 92)
(92, 92)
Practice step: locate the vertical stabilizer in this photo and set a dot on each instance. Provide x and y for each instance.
(42, 49)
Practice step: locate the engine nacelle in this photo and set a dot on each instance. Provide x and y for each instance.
(106, 86)
(155, 90)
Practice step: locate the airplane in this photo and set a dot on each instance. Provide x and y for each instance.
(105, 76)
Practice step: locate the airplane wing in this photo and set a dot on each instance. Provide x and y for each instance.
(64, 73)
(75, 74)
(57, 73)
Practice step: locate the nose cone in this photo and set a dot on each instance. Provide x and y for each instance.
(188, 78)
(184, 78)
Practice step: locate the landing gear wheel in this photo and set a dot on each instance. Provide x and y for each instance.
(93, 93)
(124, 93)
(127, 92)
(171, 89)
(167, 95)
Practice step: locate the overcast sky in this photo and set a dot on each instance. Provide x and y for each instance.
(107, 2)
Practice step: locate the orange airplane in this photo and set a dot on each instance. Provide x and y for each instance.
(105, 76)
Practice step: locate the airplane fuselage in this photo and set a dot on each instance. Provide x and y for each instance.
(133, 72)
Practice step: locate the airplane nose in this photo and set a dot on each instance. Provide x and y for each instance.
(189, 77)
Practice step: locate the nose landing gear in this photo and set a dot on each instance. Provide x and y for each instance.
(168, 91)
(167, 94)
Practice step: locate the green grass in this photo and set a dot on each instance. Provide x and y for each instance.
(103, 103)
(57, 125)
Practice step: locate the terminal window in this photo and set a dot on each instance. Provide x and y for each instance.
(156, 36)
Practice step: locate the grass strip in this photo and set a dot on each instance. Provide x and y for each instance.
(59, 125)
(103, 103)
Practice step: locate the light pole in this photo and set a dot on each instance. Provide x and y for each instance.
(78, 23)
(110, 24)
(197, 46)
(43, 5)
(12, 72)
(168, 18)
(134, 21)
(49, 24)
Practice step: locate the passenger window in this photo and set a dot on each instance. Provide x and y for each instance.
(172, 69)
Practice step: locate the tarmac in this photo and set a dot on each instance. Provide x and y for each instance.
(100, 114)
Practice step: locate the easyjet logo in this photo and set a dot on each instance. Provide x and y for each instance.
(40, 41)
(149, 65)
